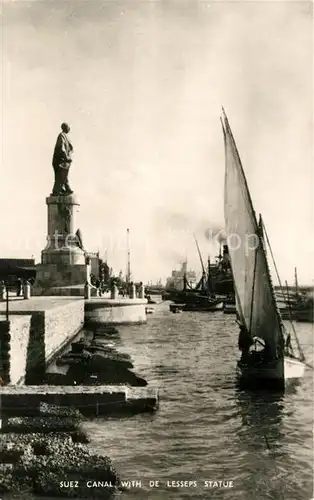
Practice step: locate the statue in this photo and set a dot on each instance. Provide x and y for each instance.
(61, 162)
(79, 239)
(66, 214)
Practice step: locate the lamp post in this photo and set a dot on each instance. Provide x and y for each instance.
(7, 301)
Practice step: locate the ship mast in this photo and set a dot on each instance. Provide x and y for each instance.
(128, 269)
(208, 275)
(296, 282)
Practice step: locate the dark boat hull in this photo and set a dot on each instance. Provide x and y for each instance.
(209, 307)
(230, 309)
(305, 316)
(272, 375)
(302, 315)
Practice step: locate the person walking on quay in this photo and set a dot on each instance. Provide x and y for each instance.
(19, 287)
(97, 285)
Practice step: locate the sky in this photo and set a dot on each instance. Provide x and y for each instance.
(141, 84)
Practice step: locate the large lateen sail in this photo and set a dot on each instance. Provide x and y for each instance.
(254, 292)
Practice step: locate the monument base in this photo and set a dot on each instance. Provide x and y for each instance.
(50, 276)
(67, 255)
(63, 264)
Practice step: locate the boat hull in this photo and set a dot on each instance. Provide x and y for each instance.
(294, 368)
(204, 307)
(229, 309)
(270, 376)
(306, 316)
(176, 308)
(301, 315)
(149, 310)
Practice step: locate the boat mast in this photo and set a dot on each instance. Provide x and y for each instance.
(288, 298)
(302, 357)
(261, 240)
(202, 264)
(253, 284)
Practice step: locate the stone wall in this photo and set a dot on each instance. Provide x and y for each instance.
(32, 337)
(5, 351)
(50, 331)
(61, 322)
(19, 331)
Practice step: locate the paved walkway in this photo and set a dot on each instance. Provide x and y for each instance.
(33, 304)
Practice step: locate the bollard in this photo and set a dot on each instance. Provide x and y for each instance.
(27, 290)
(88, 269)
(114, 292)
(2, 292)
(87, 290)
(132, 291)
(141, 292)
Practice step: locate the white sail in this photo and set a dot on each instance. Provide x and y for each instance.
(255, 296)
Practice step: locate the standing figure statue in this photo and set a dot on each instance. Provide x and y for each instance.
(66, 214)
(61, 162)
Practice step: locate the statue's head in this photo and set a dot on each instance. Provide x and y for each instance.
(65, 128)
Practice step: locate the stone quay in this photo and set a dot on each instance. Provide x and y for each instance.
(89, 400)
(55, 310)
(118, 311)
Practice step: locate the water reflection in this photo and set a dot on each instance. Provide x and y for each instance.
(267, 436)
(262, 413)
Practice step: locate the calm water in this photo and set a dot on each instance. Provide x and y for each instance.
(205, 430)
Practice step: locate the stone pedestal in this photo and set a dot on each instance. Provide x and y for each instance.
(123, 311)
(62, 245)
(62, 261)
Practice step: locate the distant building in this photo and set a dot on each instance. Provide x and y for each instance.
(94, 258)
(176, 282)
(99, 268)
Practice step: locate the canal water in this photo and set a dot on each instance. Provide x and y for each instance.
(208, 440)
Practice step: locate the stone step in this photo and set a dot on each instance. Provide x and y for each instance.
(89, 400)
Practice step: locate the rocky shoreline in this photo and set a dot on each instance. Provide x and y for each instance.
(48, 455)
(43, 448)
(95, 362)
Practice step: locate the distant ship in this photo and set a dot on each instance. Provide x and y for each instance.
(217, 279)
(220, 274)
(178, 279)
(156, 289)
(209, 292)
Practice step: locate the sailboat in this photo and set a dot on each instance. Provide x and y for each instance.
(299, 306)
(267, 359)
